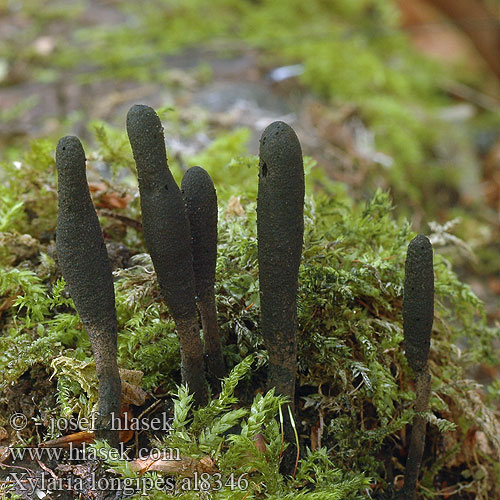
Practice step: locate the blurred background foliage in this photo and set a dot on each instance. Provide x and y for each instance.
(383, 93)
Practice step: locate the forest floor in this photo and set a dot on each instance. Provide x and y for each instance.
(225, 92)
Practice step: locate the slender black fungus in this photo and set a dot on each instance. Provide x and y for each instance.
(418, 315)
(280, 231)
(418, 302)
(84, 262)
(201, 206)
(168, 239)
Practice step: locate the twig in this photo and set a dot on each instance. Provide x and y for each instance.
(104, 212)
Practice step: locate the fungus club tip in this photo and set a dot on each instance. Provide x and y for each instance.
(143, 126)
(418, 301)
(278, 133)
(201, 208)
(199, 175)
(140, 113)
(277, 128)
(281, 161)
(69, 148)
(198, 188)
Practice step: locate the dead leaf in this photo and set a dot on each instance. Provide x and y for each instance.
(234, 206)
(315, 438)
(133, 394)
(317, 433)
(106, 198)
(260, 442)
(113, 200)
(4, 453)
(3, 433)
(96, 187)
(133, 377)
(399, 481)
(76, 439)
(446, 44)
(494, 284)
(6, 305)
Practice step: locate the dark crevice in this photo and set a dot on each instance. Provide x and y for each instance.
(264, 170)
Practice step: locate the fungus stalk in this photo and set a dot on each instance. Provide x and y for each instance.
(84, 262)
(168, 239)
(280, 231)
(418, 315)
(201, 206)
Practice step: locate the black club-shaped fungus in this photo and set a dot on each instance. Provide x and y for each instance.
(418, 301)
(201, 206)
(168, 239)
(418, 314)
(280, 231)
(84, 262)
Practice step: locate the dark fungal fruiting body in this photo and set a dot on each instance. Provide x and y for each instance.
(418, 302)
(168, 239)
(84, 262)
(280, 231)
(201, 207)
(418, 315)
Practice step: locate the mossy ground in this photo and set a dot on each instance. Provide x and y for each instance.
(354, 390)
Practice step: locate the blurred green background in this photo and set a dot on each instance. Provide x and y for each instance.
(382, 93)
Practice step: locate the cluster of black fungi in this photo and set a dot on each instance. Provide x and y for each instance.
(180, 232)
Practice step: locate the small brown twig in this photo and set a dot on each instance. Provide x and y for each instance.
(128, 221)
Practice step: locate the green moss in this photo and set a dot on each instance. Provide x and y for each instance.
(352, 368)
(28, 201)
